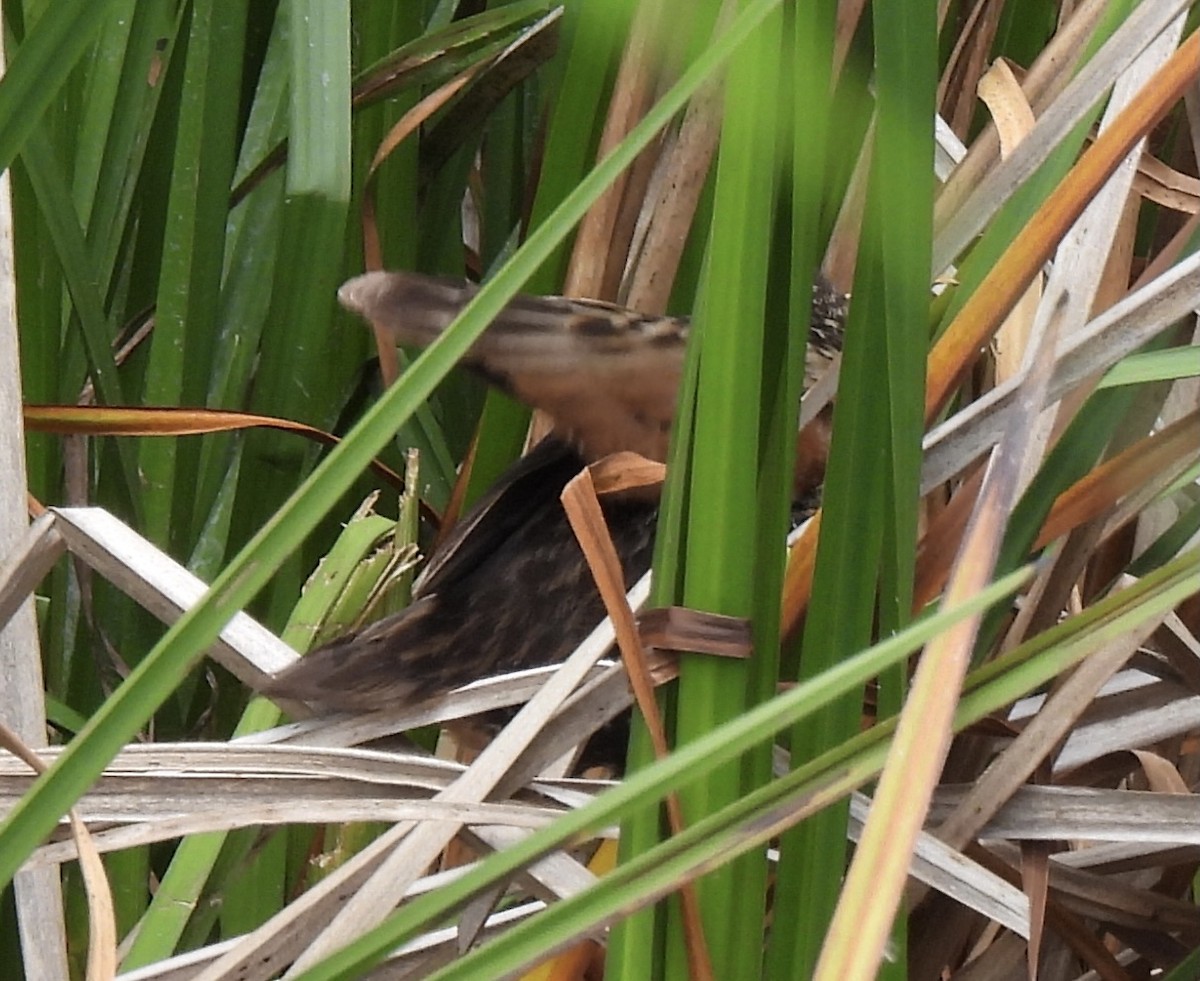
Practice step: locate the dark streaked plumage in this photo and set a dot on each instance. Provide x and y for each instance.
(510, 589)
(513, 593)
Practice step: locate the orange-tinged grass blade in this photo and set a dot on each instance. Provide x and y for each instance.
(983, 312)
(587, 521)
(941, 540)
(99, 420)
(1088, 498)
(626, 471)
(798, 579)
(1128, 470)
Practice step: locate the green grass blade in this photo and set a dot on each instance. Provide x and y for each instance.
(723, 566)
(193, 257)
(44, 61)
(303, 370)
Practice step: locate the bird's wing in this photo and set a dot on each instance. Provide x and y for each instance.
(530, 484)
(608, 377)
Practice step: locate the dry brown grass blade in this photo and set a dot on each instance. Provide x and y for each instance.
(1162, 184)
(967, 65)
(626, 471)
(102, 924)
(582, 505)
(1061, 920)
(941, 540)
(1162, 775)
(1013, 118)
(1050, 71)
(587, 521)
(956, 350)
(79, 420)
(676, 628)
(138, 799)
(673, 196)
(841, 257)
(1040, 738)
(676, 188)
(602, 244)
(1083, 892)
(1035, 879)
(849, 17)
(1181, 649)
(361, 893)
(26, 563)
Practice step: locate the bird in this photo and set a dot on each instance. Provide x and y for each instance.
(509, 588)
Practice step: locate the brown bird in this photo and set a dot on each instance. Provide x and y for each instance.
(509, 588)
